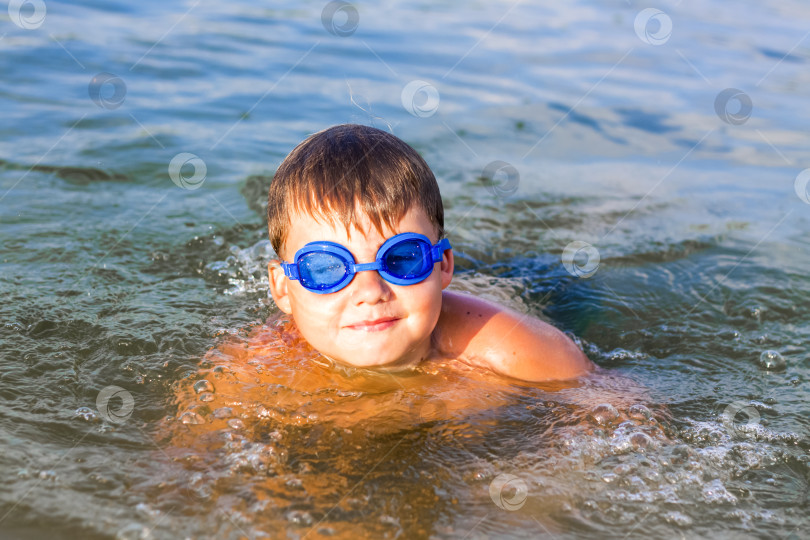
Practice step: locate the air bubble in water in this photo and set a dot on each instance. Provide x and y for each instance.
(640, 441)
(190, 417)
(678, 518)
(639, 412)
(604, 414)
(87, 414)
(772, 361)
(716, 492)
(48, 475)
(134, 531)
(223, 412)
(203, 386)
(294, 483)
(299, 517)
(207, 396)
(145, 510)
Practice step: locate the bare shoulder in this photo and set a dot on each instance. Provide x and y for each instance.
(521, 346)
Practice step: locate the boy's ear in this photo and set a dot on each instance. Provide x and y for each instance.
(446, 267)
(278, 286)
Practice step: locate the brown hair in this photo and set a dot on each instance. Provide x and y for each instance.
(336, 171)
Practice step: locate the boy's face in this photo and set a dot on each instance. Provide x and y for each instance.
(370, 322)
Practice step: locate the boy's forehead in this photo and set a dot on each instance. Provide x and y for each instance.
(316, 225)
(310, 227)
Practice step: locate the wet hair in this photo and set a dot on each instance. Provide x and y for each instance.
(348, 168)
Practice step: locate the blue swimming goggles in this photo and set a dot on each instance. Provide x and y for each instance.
(326, 267)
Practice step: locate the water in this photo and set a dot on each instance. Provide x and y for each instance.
(114, 276)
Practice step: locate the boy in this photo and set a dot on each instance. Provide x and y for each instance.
(356, 217)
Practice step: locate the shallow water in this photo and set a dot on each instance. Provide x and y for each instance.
(112, 275)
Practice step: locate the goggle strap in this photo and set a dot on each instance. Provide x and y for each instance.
(438, 250)
(290, 270)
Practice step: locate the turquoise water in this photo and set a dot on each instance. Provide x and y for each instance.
(619, 136)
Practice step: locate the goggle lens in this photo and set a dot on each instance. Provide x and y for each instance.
(406, 260)
(321, 270)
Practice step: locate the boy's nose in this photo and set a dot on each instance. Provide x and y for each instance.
(369, 287)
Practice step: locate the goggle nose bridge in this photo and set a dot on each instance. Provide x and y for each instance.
(376, 265)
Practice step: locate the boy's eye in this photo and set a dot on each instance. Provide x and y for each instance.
(321, 269)
(405, 259)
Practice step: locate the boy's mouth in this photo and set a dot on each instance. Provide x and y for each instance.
(374, 325)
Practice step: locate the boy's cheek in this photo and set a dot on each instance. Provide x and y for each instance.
(310, 308)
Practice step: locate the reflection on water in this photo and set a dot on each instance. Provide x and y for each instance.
(115, 281)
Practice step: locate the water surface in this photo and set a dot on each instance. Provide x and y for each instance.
(113, 275)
